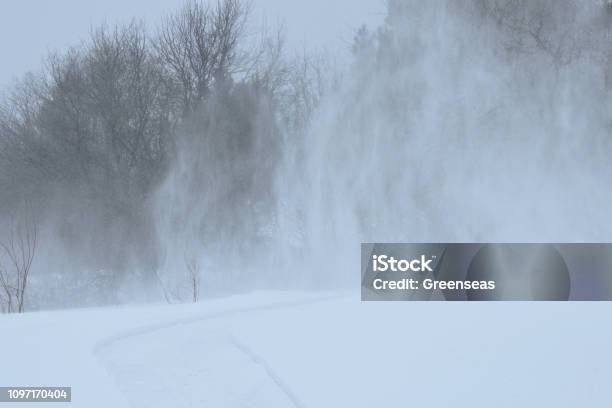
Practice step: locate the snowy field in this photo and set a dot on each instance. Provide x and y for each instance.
(273, 349)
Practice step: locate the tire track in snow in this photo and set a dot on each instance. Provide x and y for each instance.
(141, 330)
(269, 371)
(249, 353)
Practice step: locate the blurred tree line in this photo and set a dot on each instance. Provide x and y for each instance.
(91, 138)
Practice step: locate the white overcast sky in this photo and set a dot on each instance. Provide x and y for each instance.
(29, 29)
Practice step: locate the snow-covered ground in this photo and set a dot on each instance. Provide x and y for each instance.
(282, 349)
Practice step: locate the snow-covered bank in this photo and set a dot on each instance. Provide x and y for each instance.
(61, 347)
(315, 350)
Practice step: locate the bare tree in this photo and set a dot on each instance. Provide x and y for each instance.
(19, 251)
(181, 288)
(264, 63)
(198, 46)
(550, 27)
(310, 77)
(194, 278)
